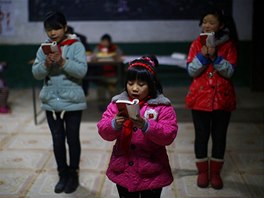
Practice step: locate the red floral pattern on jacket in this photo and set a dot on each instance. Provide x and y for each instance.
(208, 92)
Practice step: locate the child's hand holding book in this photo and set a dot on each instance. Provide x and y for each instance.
(207, 39)
(48, 48)
(127, 108)
(51, 50)
(131, 110)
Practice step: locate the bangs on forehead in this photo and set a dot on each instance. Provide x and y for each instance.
(55, 25)
(137, 73)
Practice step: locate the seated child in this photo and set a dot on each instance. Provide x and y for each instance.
(107, 51)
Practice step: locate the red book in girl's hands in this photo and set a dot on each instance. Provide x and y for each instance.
(129, 108)
(208, 39)
(48, 48)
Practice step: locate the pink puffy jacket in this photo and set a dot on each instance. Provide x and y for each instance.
(147, 165)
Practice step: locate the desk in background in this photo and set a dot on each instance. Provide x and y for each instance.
(175, 59)
(95, 71)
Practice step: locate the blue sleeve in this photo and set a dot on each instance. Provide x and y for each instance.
(145, 127)
(198, 64)
(39, 69)
(223, 67)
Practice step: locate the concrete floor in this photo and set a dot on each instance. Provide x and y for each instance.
(28, 169)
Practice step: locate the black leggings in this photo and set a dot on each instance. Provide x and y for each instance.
(124, 193)
(213, 123)
(66, 128)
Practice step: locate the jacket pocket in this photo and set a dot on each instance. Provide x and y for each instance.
(149, 166)
(191, 96)
(73, 94)
(226, 98)
(46, 94)
(190, 99)
(117, 161)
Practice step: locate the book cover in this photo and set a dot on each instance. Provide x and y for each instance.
(208, 39)
(129, 108)
(49, 47)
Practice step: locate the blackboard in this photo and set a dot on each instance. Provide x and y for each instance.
(104, 10)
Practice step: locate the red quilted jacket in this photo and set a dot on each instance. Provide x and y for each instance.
(210, 90)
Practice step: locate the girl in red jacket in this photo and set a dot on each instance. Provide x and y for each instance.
(211, 95)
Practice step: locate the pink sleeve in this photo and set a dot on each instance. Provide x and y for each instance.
(163, 131)
(105, 127)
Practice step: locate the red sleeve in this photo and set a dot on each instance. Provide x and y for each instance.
(194, 49)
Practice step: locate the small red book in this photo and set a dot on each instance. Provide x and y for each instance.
(48, 48)
(208, 39)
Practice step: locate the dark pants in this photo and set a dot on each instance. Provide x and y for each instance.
(123, 193)
(213, 123)
(67, 128)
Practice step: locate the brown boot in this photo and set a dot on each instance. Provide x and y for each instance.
(215, 169)
(203, 179)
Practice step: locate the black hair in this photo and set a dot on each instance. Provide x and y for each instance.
(152, 58)
(54, 20)
(226, 20)
(70, 29)
(107, 37)
(143, 74)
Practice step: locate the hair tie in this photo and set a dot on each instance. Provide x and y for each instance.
(142, 65)
(149, 60)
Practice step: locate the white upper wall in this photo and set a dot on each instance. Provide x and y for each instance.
(26, 32)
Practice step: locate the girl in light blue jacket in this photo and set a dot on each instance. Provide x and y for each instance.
(62, 96)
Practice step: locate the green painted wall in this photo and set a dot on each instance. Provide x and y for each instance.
(18, 74)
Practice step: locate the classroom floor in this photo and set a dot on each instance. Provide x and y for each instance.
(28, 169)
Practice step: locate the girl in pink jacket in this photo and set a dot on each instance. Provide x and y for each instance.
(139, 163)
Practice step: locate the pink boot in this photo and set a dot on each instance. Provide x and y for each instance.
(215, 169)
(203, 179)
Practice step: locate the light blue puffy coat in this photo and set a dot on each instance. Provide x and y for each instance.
(62, 89)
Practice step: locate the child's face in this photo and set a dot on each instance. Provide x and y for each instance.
(211, 24)
(57, 35)
(137, 89)
(105, 43)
